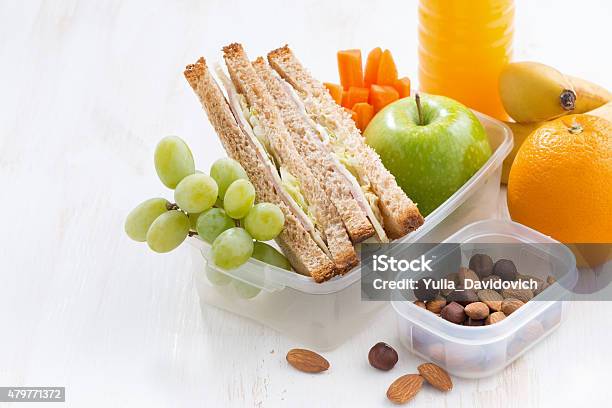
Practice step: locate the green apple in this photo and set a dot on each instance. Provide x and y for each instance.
(432, 149)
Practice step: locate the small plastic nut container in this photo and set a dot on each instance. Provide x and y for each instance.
(324, 315)
(476, 352)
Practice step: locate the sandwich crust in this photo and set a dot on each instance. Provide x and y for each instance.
(247, 80)
(297, 244)
(400, 214)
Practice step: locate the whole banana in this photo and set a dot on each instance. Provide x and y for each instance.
(534, 92)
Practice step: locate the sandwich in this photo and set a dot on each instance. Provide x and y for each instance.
(302, 152)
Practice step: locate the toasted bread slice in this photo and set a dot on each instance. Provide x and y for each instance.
(284, 153)
(399, 214)
(303, 253)
(316, 155)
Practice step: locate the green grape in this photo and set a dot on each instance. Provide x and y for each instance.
(268, 254)
(232, 248)
(244, 290)
(264, 221)
(193, 221)
(140, 218)
(225, 171)
(173, 161)
(213, 222)
(217, 278)
(168, 231)
(239, 198)
(196, 193)
(219, 203)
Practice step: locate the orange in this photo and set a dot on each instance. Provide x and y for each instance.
(561, 181)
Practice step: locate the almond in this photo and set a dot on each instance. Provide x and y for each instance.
(477, 310)
(495, 318)
(404, 388)
(524, 295)
(307, 361)
(491, 298)
(436, 376)
(420, 303)
(511, 305)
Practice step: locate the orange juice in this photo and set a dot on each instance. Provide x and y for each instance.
(463, 44)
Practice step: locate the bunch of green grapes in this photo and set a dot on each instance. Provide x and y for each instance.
(219, 209)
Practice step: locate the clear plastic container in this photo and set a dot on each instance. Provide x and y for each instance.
(476, 352)
(323, 316)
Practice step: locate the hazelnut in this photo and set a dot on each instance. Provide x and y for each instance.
(453, 312)
(481, 264)
(463, 296)
(505, 269)
(423, 292)
(382, 356)
(453, 277)
(472, 322)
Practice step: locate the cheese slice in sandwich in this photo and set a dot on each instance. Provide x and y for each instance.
(388, 202)
(295, 240)
(268, 126)
(311, 142)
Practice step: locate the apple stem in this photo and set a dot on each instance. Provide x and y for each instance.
(417, 98)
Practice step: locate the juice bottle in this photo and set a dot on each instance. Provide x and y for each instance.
(463, 44)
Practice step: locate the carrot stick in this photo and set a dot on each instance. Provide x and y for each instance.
(335, 91)
(402, 86)
(356, 95)
(364, 112)
(387, 71)
(345, 96)
(382, 95)
(371, 69)
(349, 68)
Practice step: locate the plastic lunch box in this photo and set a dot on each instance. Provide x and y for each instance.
(323, 316)
(475, 352)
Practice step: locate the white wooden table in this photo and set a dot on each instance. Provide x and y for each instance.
(88, 88)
